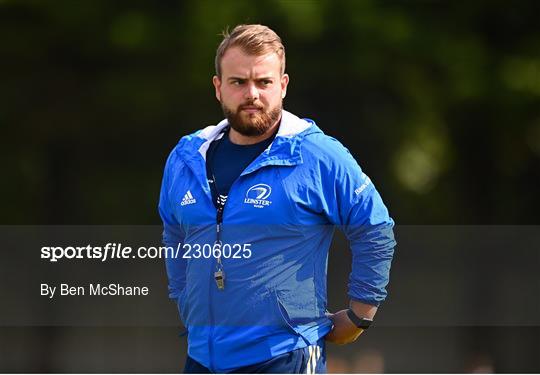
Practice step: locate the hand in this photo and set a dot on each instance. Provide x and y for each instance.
(344, 331)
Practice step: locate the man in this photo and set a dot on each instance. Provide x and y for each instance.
(253, 202)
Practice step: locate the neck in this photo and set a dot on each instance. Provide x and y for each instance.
(244, 140)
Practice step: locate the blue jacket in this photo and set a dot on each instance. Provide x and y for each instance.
(284, 206)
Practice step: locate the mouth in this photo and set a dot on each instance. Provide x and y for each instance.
(250, 109)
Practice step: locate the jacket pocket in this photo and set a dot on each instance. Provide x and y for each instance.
(286, 320)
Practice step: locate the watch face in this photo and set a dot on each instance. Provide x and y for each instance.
(365, 323)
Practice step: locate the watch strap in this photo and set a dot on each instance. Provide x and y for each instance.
(363, 323)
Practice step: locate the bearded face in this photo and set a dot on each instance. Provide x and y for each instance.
(252, 120)
(251, 89)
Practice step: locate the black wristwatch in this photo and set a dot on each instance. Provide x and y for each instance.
(363, 323)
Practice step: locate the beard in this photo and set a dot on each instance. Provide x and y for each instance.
(252, 124)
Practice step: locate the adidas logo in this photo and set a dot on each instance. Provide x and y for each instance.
(188, 199)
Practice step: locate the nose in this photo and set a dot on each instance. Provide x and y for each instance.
(251, 93)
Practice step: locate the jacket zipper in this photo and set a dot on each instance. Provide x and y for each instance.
(220, 207)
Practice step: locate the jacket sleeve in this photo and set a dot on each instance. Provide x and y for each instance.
(172, 232)
(353, 204)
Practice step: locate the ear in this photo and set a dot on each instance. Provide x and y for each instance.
(217, 85)
(284, 83)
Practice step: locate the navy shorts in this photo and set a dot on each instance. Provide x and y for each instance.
(308, 360)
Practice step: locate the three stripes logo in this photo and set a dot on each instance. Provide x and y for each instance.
(222, 199)
(188, 199)
(313, 360)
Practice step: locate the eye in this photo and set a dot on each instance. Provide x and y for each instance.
(266, 82)
(237, 82)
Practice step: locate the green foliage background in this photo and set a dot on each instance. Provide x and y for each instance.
(438, 101)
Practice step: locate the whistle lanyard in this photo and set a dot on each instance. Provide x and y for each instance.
(219, 274)
(220, 200)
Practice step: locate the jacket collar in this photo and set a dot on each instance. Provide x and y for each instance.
(284, 150)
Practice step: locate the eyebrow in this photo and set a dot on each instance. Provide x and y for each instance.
(245, 79)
